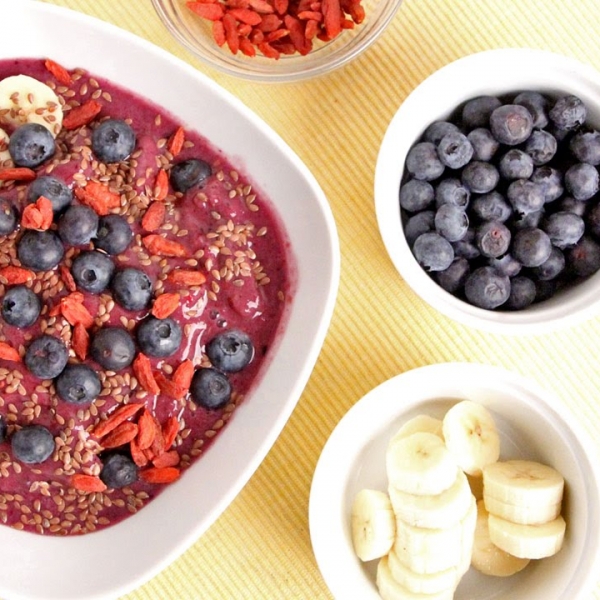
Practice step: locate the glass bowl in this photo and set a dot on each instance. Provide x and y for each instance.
(195, 34)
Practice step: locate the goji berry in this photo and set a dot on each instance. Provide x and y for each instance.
(169, 387)
(170, 430)
(142, 369)
(161, 185)
(98, 197)
(12, 275)
(7, 352)
(58, 71)
(186, 277)
(160, 246)
(183, 374)
(176, 141)
(17, 174)
(160, 475)
(245, 15)
(67, 277)
(207, 10)
(38, 215)
(165, 304)
(117, 417)
(154, 216)
(80, 341)
(87, 483)
(73, 310)
(82, 115)
(138, 456)
(146, 430)
(120, 435)
(166, 459)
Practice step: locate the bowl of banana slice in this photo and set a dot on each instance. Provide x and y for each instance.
(457, 481)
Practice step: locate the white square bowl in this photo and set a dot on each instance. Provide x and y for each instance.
(115, 560)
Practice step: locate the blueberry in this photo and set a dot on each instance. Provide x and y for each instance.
(536, 104)
(506, 265)
(486, 288)
(532, 219)
(525, 196)
(112, 348)
(114, 234)
(57, 191)
(46, 357)
(78, 384)
(585, 147)
(568, 112)
(8, 217)
(131, 288)
(552, 267)
(32, 444)
(522, 293)
(454, 277)
(582, 181)
(493, 239)
(92, 271)
(433, 252)
(3, 429)
(451, 222)
(516, 164)
(78, 225)
(455, 150)
(452, 191)
(592, 220)
(416, 195)
(564, 228)
(189, 173)
(584, 257)
(466, 248)
(531, 246)
(477, 111)
(40, 250)
(551, 181)
(113, 141)
(541, 146)
(419, 223)
(491, 207)
(118, 471)
(422, 162)
(437, 130)
(210, 389)
(484, 144)
(230, 351)
(544, 290)
(480, 177)
(30, 145)
(159, 337)
(20, 306)
(511, 124)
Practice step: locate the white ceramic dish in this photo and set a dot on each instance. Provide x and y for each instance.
(532, 425)
(490, 72)
(111, 562)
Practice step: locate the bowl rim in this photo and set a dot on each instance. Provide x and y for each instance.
(55, 586)
(328, 508)
(540, 318)
(302, 69)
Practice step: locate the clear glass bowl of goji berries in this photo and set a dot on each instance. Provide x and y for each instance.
(276, 40)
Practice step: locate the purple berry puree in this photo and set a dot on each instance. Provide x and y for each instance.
(230, 233)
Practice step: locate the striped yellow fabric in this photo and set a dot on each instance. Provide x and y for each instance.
(260, 547)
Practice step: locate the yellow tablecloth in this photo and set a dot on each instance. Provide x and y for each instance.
(260, 547)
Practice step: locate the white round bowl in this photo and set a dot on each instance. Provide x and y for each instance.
(491, 72)
(532, 425)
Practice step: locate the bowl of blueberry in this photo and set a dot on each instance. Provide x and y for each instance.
(486, 190)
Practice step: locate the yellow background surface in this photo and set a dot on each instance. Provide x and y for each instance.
(260, 547)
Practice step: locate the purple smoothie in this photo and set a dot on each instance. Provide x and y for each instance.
(230, 233)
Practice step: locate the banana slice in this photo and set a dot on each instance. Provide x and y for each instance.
(422, 583)
(390, 589)
(527, 541)
(5, 157)
(433, 511)
(523, 483)
(373, 524)
(420, 424)
(526, 515)
(425, 551)
(487, 557)
(24, 99)
(471, 436)
(420, 464)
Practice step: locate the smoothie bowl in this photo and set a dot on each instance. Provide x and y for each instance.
(152, 295)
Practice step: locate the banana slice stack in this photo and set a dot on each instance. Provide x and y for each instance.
(429, 528)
